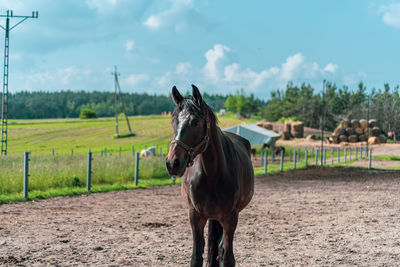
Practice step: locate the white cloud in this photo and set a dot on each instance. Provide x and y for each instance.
(391, 14)
(291, 66)
(135, 79)
(101, 5)
(129, 45)
(331, 68)
(178, 17)
(213, 57)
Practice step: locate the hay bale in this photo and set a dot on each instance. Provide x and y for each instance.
(297, 130)
(362, 138)
(359, 131)
(343, 138)
(368, 132)
(353, 138)
(285, 135)
(345, 123)
(335, 139)
(268, 126)
(287, 126)
(363, 124)
(372, 123)
(349, 131)
(376, 131)
(373, 140)
(311, 137)
(355, 124)
(260, 123)
(382, 138)
(339, 131)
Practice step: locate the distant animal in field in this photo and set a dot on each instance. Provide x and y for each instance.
(151, 151)
(275, 149)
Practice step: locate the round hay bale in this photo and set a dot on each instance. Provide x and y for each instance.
(372, 123)
(345, 123)
(373, 140)
(311, 137)
(382, 138)
(339, 131)
(359, 131)
(260, 123)
(285, 135)
(362, 138)
(355, 124)
(363, 124)
(376, 131)
(268, 126)
(287, 127)
(368, 132)
(335, 139)
(297, 129)
(343, 138)
(349, 131)
(353, 138)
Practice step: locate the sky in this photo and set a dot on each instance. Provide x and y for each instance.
(220, 46)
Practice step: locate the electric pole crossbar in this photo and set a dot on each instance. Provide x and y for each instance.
(4, 97)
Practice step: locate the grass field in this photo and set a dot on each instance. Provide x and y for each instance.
(63, 135)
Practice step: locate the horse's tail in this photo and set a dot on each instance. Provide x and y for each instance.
(215, 232)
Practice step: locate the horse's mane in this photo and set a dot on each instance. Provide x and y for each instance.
(189, 104)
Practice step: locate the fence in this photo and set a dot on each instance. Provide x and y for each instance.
(53, 171)
(315, 157)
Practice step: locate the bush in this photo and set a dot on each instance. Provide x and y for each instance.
(283, 119)
(87, 113)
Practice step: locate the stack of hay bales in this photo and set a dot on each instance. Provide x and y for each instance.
(358, 131)
(290, 129)
(297, 129)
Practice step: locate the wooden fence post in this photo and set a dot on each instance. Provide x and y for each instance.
(89, 171)
(26, 174)
(338, 155)
(261, 158)
(370, 159)
(332, 155)
(356, 152)
(324, 156)
(282, 159)
(306, 156)
(345, 155)
(295, 159)
(265, 162)
(136, 168)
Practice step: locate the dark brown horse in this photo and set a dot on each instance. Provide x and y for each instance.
(217, 176)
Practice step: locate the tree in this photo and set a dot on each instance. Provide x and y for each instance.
(88, 114)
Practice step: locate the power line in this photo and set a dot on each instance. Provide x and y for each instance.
(4, 99)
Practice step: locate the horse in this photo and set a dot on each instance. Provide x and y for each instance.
(275, 149)
(151, 151)
(217, 176)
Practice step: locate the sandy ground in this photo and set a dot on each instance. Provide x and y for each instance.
(306, 217)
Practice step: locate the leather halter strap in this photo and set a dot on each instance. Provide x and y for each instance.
(194, 151)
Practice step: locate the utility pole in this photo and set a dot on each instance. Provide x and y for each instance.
(322, 123)
(4, 99)
(116, 85)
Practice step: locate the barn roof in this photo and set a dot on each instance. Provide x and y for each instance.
(255, 134)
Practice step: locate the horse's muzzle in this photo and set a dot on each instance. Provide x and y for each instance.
(175, 166)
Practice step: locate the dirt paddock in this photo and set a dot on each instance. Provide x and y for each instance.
(305, 217)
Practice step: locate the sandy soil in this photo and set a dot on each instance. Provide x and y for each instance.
(305, 217)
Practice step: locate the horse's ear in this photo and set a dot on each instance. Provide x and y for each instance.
(176, 96)
(196, 95)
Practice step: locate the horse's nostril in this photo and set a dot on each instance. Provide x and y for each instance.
(176, 163)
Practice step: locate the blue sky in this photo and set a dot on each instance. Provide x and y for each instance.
(221, 46)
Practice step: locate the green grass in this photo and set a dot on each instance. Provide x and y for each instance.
(64, 135)
(386, 157)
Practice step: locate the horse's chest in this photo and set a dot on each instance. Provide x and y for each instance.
(210, 202)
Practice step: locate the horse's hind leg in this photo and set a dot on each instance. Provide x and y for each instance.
(229, 225)
(197, 223)
(214, 237)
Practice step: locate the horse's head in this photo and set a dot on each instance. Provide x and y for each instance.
(191, 123)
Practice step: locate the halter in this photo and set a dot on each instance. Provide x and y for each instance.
(193, 151)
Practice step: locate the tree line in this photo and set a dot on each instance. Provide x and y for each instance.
(69, 104)
(305, 104)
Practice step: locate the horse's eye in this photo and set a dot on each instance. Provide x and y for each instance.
(194, 122)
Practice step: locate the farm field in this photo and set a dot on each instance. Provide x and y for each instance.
(62, 135)
(315, 216)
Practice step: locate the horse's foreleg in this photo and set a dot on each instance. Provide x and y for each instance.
(197, 223)
(229, 225)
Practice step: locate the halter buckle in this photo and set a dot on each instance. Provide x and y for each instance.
(191, 151)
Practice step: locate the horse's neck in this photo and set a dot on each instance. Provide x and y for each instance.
(213, 159)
